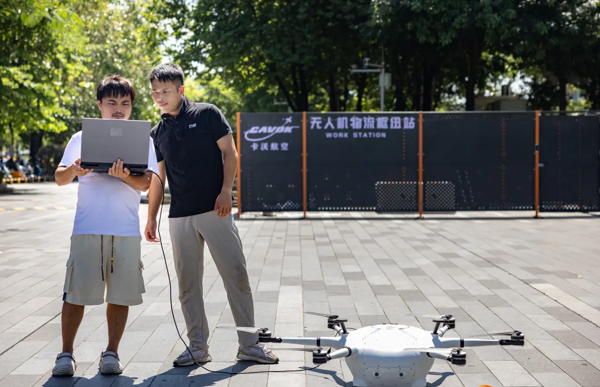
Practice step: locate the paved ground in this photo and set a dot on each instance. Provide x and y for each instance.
(538, 276)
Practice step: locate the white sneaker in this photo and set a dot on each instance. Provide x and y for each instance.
(110, 364)
(257, 352)
(65, 365)
(185, 359)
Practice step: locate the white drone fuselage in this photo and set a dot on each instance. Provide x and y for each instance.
(381, 357)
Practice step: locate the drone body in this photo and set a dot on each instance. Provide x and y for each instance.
(381, 357)
(391, 355)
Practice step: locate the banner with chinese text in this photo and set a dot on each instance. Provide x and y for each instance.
(271, 162)
(362, 161)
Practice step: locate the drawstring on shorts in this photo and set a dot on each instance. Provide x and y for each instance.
(112, 254)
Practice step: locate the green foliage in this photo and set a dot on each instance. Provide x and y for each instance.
(58, 51)
(216, 93)
(248, 55)
(118, 41)
(435, 49)
(35, 37)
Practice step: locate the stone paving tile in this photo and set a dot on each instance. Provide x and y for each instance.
(581, 371)
(510, 373)
(554, 379)
(492, 274)
(574, 340)
(478, 379)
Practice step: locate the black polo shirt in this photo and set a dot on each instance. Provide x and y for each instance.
(188, 145)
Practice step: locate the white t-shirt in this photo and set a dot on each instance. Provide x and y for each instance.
(106, 205)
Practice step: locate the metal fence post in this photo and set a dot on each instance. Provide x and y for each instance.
(304, 187)
(420, 164)
(537, 163)
(239, 167)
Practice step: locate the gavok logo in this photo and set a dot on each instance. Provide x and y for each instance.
(260, 133)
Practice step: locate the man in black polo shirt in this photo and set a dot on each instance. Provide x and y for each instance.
(196, 151)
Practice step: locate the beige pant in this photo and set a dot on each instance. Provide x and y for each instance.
(90, 274)
(188, 235)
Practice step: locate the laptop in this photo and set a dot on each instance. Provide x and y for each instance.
(104, 141)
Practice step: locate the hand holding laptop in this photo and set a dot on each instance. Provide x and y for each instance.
(117, 170)
(78, 170)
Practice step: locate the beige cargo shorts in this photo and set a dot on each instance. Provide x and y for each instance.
(104, 268)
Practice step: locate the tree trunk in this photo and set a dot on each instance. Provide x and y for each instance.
(35, 144)
(362, 82)
(471, 80)
(344, 103)
(282, 88)
(562, 102)
(418, 92)
(428, 78)
(470, 86)
(302, 101)
(474, 52)
(400, 104)
(594, 96)
(334, 99)
(11, 148)
(295, 81)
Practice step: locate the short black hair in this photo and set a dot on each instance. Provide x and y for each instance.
(167, 72)
(115, 86)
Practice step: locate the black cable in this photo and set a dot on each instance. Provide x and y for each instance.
(173, 312)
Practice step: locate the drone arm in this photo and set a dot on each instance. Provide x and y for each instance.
(344, 352)
(461, 343)
(438, 355)
(334, 342)
(442, 331)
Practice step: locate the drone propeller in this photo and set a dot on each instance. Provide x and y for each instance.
(434, 316)
(511, 333)
(241, 329)
(322, 315)
(444, 350)
(298, 349)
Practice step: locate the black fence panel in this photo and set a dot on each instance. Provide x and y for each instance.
(569, 148)
(362, 162)
(271, 162)
(478, 161)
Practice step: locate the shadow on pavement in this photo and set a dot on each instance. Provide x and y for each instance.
(441, 379)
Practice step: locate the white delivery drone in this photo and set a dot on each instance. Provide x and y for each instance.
(389, 354)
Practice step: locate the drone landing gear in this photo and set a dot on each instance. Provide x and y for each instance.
(458, 357)
(319, 356)
(266, 336)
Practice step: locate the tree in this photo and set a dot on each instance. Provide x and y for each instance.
(293, 45)
(217, 93)
(48, 81)
(555, 37)
(119, 40)
(39, 51)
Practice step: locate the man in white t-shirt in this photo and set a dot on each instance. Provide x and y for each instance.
(105, 244)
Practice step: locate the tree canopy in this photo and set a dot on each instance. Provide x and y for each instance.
(296, 55)
(436, 50)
